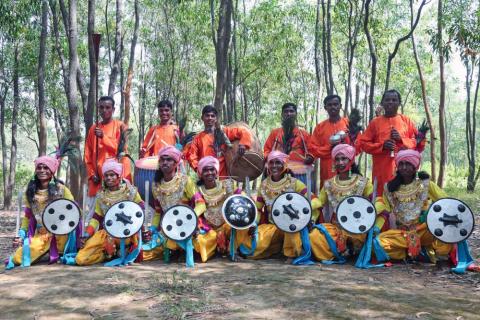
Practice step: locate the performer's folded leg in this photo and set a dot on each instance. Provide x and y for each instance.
(292, 245)
(270, 241)
(206, 244)
(428, 241)
(39, 245)
(93, 251)
(155, 254)
(394, 243)
(320, 248)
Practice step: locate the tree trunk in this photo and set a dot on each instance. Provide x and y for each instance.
(118, 49)
(3, 139)
(373, 58)
(329, 48)
(324, 49)
(433, 160)
(221, 51)
(92, 92)
(73, 109)
(42, 54)
(131, 62)
(441, 108)
(471, 122)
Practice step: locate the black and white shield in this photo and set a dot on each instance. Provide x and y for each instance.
(179, 222)
(124, 219)
(239, 211)
(450, 220)
(291, 212)
(356, 214)
(61, 216)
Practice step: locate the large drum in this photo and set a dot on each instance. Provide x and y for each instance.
(251, 164)
(145, 171)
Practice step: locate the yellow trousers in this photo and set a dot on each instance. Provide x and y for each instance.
(157, 253)
(206, 244)
(270, 241)
(394, 242)
(321, 249)
(94, 250)
(39, 245)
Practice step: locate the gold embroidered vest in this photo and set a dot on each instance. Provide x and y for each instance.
(108, 198)
(214, 199)
(170, 193)
(270, 190)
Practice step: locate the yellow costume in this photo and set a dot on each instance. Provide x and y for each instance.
(180, 190)
(332, 193)
(32, 221)
(101, 246)
(407, 233)
(271, 240)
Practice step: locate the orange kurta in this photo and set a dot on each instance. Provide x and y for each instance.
(202, 145)
(158, 137)
(299, 144)
(371, 141)
(107, 148)
(321, 148)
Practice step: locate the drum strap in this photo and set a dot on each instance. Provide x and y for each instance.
(365, 256)
(464, 259)
(187, 245)
(305, 258)
(333, 246)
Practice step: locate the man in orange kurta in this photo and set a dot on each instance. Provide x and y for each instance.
(204, 143)
(299, 157)
(163, 134)
(385, 136)
(108, 134)
(320, 145)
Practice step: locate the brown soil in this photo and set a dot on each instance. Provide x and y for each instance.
(266, 289)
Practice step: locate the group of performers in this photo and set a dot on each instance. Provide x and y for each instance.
(400, 192)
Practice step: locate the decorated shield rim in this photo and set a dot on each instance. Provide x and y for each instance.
(62, 199)
(105, 220)
(466, 205)
(292, 192)
(251, 201)
(356, 196)
(179, 205)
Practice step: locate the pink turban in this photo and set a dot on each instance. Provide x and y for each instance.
(411, 156)
(208, 161)
(172, 152)
(345, 149)
(277, 155)
(51, 162)
(112, 165)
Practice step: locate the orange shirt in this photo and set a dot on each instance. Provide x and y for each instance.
(202, 145)
(158, 137)
(300, 141)
(321, 148)
(371, 141)
(107, 148)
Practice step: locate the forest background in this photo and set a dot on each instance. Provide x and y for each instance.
(247, 57)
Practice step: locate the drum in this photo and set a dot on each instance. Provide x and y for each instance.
(239, 212)
(145, 171)
(124, 219)
(252, 162)
(450, 220)
(61, 216)
(356, 214)
(291, 212)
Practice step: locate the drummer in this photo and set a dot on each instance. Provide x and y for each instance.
(291, 140)
(99, 246)
(171, 187)
(214, 232)
(164, 134)
(271, 240)
(41, 190)
(347, 182)
(405, 200)
(206, 143)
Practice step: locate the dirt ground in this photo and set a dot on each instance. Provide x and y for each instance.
(266, 289)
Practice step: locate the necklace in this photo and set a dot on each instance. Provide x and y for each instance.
(213, 196)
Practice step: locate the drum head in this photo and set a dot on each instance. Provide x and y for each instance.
(61, 216)
(291, 212)
(249, 165)
(450, 220)
(124, 219)
(239, 212)
(179, 222)
(356, 214)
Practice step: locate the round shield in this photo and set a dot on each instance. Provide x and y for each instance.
(450, 220)
(356, 214)
(124, 219)
(179, 222)
(291, 212)
(61, 216)
(239, 211)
